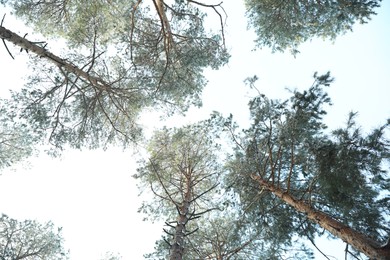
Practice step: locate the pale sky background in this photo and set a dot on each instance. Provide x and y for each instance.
(92, 195)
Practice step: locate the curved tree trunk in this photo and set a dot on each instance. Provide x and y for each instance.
(356, 239)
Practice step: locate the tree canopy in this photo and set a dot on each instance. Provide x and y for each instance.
(291, 166)
(29, 240)
(289, 177)
(283, 25)
(122, 57)
(17, 138)
(183, 174)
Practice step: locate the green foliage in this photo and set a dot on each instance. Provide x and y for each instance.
(66, 114)
(175, 153)
(183, 168)
(283, 25)
(217, 228)
(347, 167)
(339, 172)
(134, 31)
(17, 139)
(227, 235)
(30, 240)
(143, 57)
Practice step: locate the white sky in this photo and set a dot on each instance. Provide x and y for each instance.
(91, 193)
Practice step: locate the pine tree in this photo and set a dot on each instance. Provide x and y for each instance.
(121, 57)
(183, 174)
(289, 165)
(29, 240)
(283, 25)
(203, 220)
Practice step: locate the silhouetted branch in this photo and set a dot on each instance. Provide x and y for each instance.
(6, 47)
(218, 13)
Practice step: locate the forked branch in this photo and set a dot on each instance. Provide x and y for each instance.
(214, 7)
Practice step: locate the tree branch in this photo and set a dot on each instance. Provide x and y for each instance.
(10, 36)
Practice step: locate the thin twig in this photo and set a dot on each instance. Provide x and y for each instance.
(6, 47)
(347, 251)
(2, 20)
(218, 13)
(311, 240)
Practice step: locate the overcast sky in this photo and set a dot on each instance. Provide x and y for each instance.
(91, 193)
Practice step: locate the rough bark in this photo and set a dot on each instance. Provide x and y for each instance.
(25, 44)
(183, 210)
(356, 239)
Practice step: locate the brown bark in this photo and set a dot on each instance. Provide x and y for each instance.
(356, 239)
(165, 25)
(25, 44)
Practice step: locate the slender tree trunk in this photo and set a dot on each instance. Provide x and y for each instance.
(177, 250)
(25, 44)
(359, 241)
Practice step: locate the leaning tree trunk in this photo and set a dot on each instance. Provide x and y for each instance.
(43, 53)
(356, 239)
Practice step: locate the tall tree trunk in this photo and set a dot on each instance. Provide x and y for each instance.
(359, 241)
(177, 250)
(178, 241)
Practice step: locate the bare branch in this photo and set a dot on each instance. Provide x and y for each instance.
(218, 13)
(2, 20)
(166, 231)
(314, 244)
(191, 232)
(163, 185)
(206, 191)
(5, 45)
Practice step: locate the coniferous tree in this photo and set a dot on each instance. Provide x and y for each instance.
(183, 174)
(289, 165)
(202, 220)
(282, 24)
(122, 57)
(287, 172)
(226, 236)
(30, 240)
